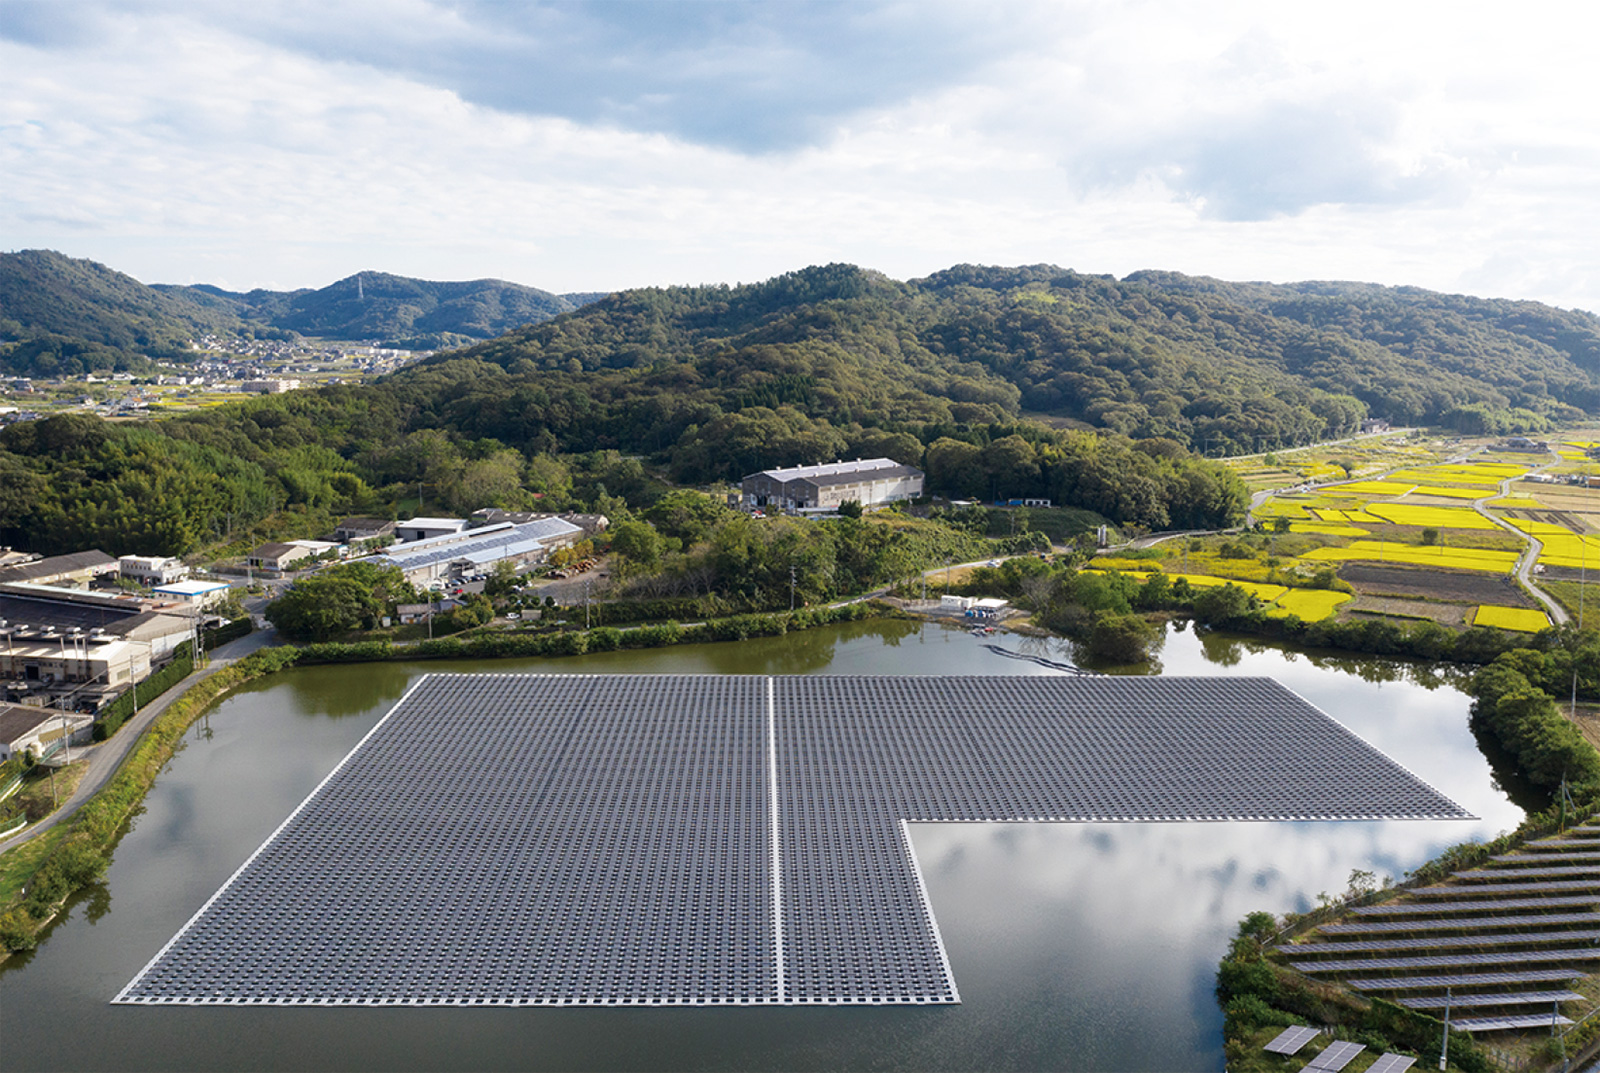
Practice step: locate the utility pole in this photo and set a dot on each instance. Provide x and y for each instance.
(586, 603)
(791, 586)
(1444, 1048)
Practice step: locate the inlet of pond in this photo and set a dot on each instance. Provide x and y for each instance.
(1075, 946)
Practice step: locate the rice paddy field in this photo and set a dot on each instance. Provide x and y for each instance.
(1516, 619)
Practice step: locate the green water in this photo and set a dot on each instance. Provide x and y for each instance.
(1088, 946)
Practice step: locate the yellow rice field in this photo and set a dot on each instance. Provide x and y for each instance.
(1328, 529)
(1439, 517)
(1308, 604)
(1519, 619)
(1368, 488)
(1445, 492)
(1447, 475)
(1444, 557)
(1516, 503)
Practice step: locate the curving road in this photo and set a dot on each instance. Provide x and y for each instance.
(1530, 555)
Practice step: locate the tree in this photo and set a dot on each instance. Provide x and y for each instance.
(637, 542)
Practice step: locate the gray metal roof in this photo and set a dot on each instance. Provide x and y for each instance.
(55, 564)
(841, 472)
(499, 542)
(701, 839)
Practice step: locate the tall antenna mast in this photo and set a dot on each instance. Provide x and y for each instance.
(361, 294)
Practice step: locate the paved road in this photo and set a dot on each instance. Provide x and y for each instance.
(106, 757)
(1530, 554)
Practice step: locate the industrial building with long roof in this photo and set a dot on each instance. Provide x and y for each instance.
(871, 482)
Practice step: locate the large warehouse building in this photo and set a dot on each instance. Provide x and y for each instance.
(478, 550)
(872, 482)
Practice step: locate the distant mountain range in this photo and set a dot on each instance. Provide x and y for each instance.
(60, 315)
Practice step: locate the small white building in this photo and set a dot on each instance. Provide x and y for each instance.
(428, 528)
(152, 570)
(27, 729)
(194, 593)
(275, 558)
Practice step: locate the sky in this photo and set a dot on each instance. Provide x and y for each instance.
(596, 146)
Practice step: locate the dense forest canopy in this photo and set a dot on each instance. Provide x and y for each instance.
(1000, 383)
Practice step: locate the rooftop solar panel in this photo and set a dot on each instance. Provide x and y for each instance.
(687, 840)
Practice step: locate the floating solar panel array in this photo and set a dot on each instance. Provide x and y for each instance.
(685, 840)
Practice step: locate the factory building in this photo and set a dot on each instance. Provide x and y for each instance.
(872, 482)
(476, 551)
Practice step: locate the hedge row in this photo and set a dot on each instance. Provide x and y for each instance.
(113, 715)
(501, 645)
(232, 631)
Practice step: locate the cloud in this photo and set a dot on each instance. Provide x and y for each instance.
(579, 146)
(740, 74)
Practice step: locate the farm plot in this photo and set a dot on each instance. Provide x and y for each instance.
(1443, 613)
(1517, 619)
(1309, 604)
(1328, 529)
(1437, 517)
(1444, 557)
(1369, 488)
(1439, 491)
(1373, 579)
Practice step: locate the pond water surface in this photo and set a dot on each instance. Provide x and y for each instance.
(1075, 946)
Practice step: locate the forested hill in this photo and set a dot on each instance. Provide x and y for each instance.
(60, 315)
(397, 309)
(1214, 365)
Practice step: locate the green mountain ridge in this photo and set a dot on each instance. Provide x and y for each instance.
(64, 315)
(1211, 364)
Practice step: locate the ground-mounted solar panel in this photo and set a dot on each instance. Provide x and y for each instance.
(1508, 1024)
(1479, 889)
(1481, 979)
(1506, 998)
(686, 840)
(1423, 908)
(1446, 961)
(1336, 1056)
(1392, 1063)
(1290, 1040)
(1447, 942)
(1390, 927)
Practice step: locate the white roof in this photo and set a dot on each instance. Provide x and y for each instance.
(189, 588)
(434, 523)
(831, 469)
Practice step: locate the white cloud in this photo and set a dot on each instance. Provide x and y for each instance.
(586, 146)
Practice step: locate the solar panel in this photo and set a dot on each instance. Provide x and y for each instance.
(1484, 979)
(1447, 942)
(1415, 908)
(1336, 1056)
(1505, 1024)
(1520, 873)
(693, 840)
(1549, 855)
(1291, 1039)
(1504, 998)
(1391, 1063)
(1465, 923)
(1507, 888)
(1445, 961)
